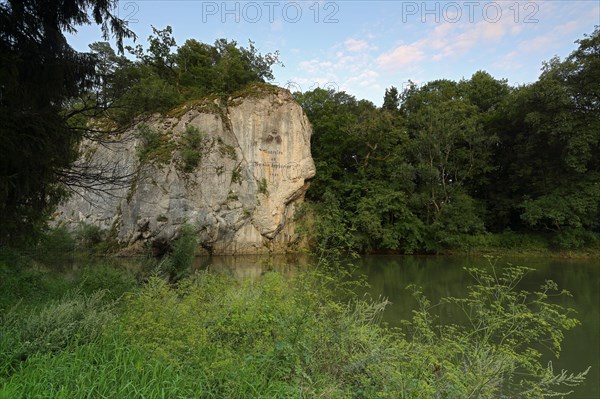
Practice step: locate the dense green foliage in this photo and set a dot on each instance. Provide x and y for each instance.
(549, 134)
(302, 336)
(180, 258)
(40, 76)
(444, 165)
(164, 75)
(191, 151)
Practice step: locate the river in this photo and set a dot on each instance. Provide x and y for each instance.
(443, 276)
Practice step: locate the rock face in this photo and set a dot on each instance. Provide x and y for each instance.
(234, 171)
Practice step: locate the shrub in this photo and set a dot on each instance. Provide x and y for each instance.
(148, 94)
(575, 238)
(299, 337)
(56, 248)
(89, 236)
(154, 144)
(191, 151)
(20, 282)
(15, 281)
(250, 337)
(277, 337)
(236, 175)
(16, 284)
(262, 186)
(496, 353)
(181, 257)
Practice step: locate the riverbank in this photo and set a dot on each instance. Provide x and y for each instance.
(529, 253)
(99, 329)
(513, 245)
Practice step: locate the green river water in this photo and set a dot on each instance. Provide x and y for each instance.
(442, 276)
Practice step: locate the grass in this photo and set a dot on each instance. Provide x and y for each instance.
(262, 186)
(253, 90)
(306, 336)
(207, 104)
(107, 368)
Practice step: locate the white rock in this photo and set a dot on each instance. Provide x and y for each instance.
(264, 137)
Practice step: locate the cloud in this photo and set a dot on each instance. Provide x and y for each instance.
(356, 45)
(277, 25)
(402, 56)
(360, 64)
(509, 61)
(348, 65)
(567, 28)
(457, 46)
(538, 43)
(544, 43)
(491, 31)
(458, 40)
(315, 66)
(366, 79)
(549, 40)
(448, 40)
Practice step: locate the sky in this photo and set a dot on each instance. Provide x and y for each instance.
(364, 47)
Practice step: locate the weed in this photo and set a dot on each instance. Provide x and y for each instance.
(236, 175)
(232, 196)
(262, 187)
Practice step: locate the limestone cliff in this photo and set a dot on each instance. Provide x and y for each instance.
(237, 182)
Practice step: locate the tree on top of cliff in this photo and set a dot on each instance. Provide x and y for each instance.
(163, 75)
(39, 74)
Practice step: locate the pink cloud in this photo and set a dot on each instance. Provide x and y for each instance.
(356, 45)
(401, 56)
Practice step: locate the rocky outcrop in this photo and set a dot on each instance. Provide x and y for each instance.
(234, 171)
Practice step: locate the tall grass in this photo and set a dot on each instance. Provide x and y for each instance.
(108, 368)
(210, 336)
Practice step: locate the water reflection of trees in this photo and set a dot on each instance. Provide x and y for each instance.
(251, 266)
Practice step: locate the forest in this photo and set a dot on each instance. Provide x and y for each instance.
(462, 164)
(438, 167)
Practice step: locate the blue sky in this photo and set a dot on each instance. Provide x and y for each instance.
(364, 47)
